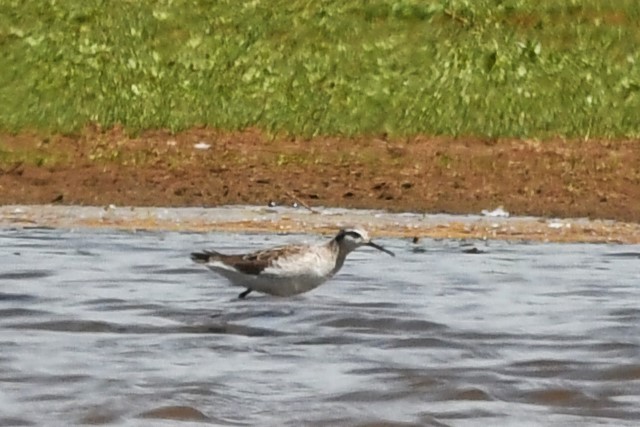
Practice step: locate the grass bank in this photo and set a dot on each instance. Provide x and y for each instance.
(512, 68)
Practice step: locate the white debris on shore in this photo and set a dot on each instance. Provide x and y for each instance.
(284, 219)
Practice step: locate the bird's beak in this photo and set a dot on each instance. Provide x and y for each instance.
(380, 248)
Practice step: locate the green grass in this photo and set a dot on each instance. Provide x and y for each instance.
(37, 156)
(523, 68)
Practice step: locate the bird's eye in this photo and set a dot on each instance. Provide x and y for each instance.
(353, 234)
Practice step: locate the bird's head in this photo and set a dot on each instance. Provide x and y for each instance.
(352, 238)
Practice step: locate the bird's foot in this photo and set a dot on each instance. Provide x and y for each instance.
(244, 294)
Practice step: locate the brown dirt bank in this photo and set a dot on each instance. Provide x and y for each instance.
(556, 178)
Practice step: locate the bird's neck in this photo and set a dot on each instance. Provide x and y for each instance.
(339, 253)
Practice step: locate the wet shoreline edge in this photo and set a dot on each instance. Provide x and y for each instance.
(285, 220)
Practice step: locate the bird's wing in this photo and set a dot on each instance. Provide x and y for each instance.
(261, 260)
(253, 263)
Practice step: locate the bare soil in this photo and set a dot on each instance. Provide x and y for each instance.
(205, 167)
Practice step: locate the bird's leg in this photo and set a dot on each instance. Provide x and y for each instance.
(244, 294)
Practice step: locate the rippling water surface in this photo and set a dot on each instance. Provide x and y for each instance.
(120, 328)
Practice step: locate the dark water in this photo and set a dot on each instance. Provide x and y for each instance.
(120, 328)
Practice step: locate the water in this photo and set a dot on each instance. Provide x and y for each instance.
(119, 328)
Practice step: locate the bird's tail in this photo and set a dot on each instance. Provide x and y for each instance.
(204, 256)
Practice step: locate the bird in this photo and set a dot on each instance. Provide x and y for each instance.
(287, 270)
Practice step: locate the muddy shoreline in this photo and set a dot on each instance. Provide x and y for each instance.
(286, 220)
(595, 179)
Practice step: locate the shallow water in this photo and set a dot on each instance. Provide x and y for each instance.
(120, 328)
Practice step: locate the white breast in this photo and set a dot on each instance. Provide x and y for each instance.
(317, 261)
(298, 273)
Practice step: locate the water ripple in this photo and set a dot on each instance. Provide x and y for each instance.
(111, 328)
(25, 275)
(14, 297)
